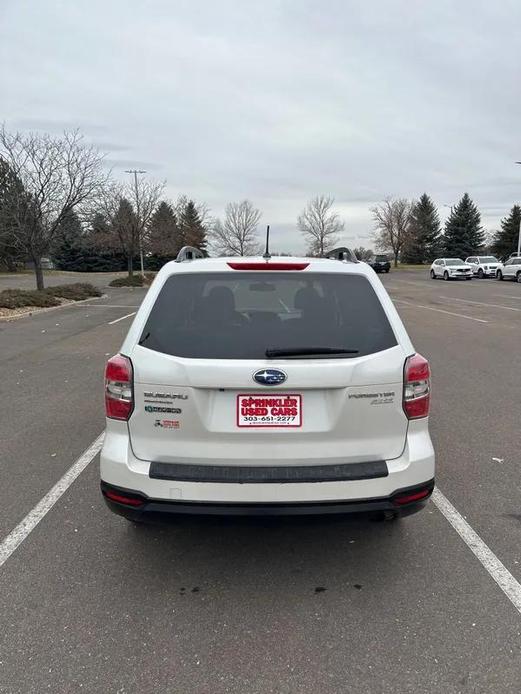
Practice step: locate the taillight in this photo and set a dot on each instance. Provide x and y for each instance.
(416, 387)
(119, 395)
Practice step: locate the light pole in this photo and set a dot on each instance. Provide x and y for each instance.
(519, 234)
(138, 215)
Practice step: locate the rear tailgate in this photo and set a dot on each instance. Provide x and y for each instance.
(208, 332)
(189, 410)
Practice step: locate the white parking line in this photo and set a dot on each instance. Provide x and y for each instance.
(440, 310)
(31, 520)
(497, 570)
(106, 306)
(508, 296)
(480, 303)
(122, 318)
(501, 575)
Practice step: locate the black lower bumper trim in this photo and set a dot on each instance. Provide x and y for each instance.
(242, 474)
(160, 507)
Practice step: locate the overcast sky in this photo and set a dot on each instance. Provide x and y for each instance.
(278, 101)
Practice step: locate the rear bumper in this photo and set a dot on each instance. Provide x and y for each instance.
(159, 508)
(363, 489)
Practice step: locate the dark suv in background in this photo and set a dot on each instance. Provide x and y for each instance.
(380, 263)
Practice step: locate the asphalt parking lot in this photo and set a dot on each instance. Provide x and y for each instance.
(90, 603)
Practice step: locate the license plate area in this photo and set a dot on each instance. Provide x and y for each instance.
(269, 411)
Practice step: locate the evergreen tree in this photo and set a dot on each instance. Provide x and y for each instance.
(102, 252)
(124, 226)
(163, 237)
(464, 234)
(12, 200)
(505, 241)
(424, 242)
(69, 244)
(192, 230)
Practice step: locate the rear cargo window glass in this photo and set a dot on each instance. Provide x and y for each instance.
(241, 315)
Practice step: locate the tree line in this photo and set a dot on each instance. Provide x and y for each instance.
(58, 200)
(412, 232)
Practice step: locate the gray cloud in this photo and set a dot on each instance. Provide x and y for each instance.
(278, 101)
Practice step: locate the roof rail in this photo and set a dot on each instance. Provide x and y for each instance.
(189, 253)
(342, 253)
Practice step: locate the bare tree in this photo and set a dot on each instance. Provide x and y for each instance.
(392, 222)
(320, 225)
(238, 234)
(128, 227)
(145, 195)
(57, 175)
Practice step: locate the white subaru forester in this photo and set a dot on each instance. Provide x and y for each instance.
(266, 386)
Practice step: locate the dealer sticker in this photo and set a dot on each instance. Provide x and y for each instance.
(280, 410)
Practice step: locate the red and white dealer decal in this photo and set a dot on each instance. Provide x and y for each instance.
(280, 410)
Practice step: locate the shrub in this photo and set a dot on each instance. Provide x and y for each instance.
(135, 281)
(18, 298)
(76, 292)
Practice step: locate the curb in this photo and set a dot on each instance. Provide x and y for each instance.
(37, 310)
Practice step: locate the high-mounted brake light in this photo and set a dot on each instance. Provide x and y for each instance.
(416, 387)
(268, 266)
(119, 392)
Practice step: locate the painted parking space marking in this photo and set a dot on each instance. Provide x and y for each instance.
(107, 306)
(501, 575)
(31, 520)
(122, 318)
(480, 303)
(440, 310)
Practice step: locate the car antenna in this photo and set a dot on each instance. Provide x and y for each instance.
(267, 255)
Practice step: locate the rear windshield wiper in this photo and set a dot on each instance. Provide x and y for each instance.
(144, 338)
(308, 352)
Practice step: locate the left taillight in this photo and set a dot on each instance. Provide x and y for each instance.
(119, 391)
(416, 387)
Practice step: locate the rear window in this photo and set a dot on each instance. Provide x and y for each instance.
(382, 258)
(241, 315)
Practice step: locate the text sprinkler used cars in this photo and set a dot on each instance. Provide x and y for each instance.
(451, 269)
(254, 386)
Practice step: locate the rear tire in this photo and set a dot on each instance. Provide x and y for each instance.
(446, 276)
(433, 275)
(480, 274)
(518, 277)
(386, 271)
(499, 275)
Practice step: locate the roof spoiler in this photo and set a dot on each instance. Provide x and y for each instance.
(342, 253)
(190, 253)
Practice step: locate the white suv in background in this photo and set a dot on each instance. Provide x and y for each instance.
(484, 265)
(510, 270)
(451, 269)
(254, 386)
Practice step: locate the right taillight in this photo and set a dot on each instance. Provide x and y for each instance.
(416, 387)
(119, 395)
